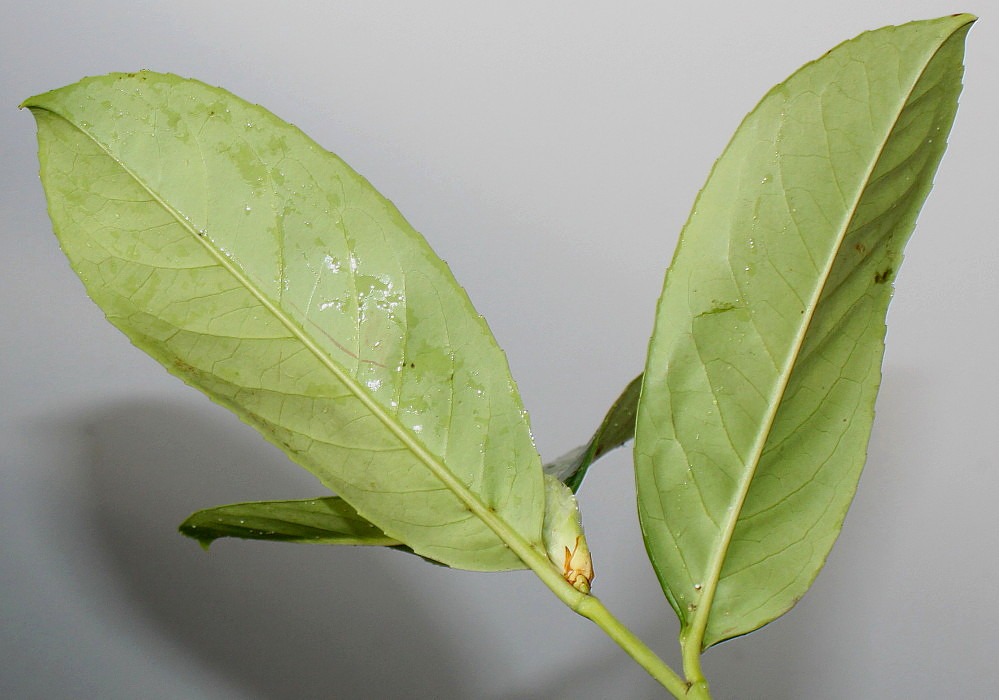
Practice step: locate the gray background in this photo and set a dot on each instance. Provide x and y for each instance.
(550, 153)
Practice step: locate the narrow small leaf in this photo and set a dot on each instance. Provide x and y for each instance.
(328, 520)
(616, 429)
(262, 270)
(765, 361)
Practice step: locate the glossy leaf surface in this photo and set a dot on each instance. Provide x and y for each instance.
(264, 271)
(328, 520)
(765, 361)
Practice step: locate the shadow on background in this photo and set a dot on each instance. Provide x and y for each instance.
(799, 655)
(279, 620)
(298, 621)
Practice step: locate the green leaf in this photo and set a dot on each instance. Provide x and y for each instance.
(262, 270)
(616, 429)
(765, 361)
(328, 520)
(332, 520)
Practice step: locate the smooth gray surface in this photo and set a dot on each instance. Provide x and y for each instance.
(550, 153)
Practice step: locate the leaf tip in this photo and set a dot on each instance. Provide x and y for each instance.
(203, 539)
(28, 103)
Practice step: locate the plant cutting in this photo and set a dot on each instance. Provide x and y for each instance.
(259, 268)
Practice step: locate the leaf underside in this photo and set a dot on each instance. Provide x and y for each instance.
(331, 520)
(765, 362)
(262, 270)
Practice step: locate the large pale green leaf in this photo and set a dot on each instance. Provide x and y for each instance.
(765, 362)
(261, 269)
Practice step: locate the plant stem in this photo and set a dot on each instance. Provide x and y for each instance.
(691, 646)
(534, 556)
(592, 609)
(584, 604)
(698, 691)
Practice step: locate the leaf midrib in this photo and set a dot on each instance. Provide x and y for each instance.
(702, 613)
(528, 552)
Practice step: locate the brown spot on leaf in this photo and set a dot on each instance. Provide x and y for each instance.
(883, 276)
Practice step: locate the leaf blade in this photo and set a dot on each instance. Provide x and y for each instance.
(264, 271)
(765, 361)
(617, 427)
(329, 520)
